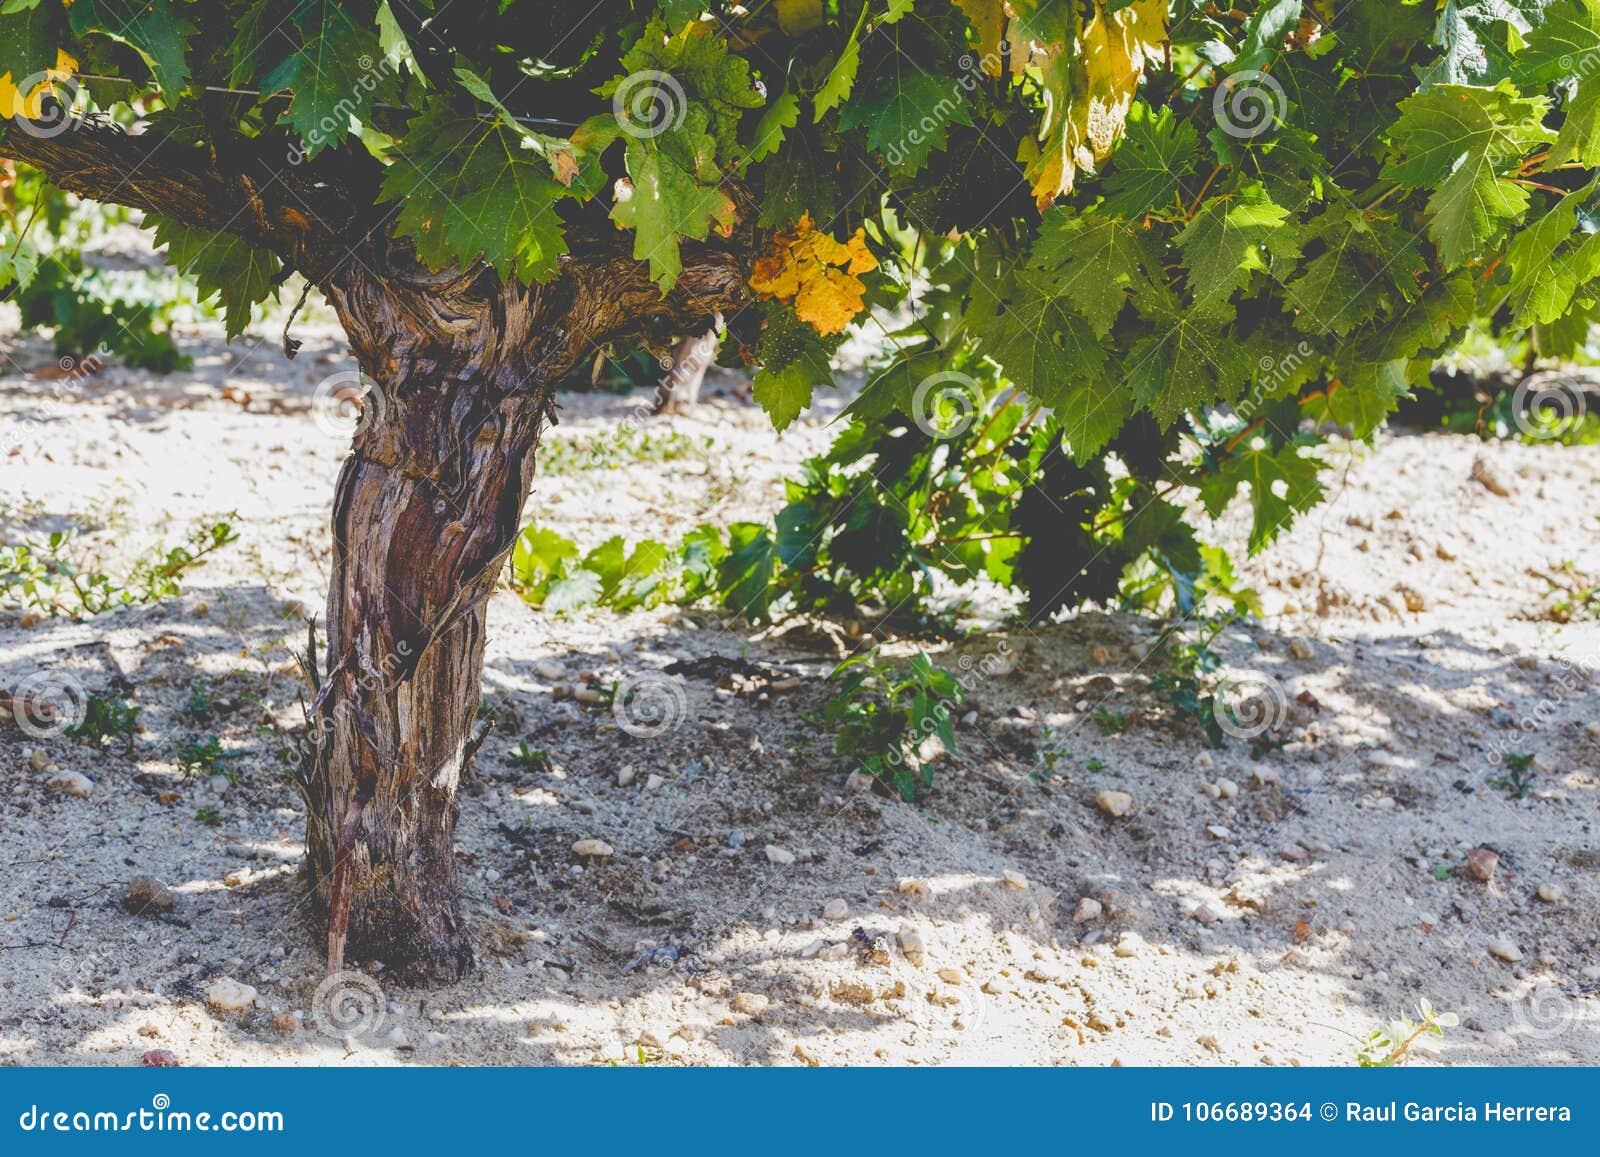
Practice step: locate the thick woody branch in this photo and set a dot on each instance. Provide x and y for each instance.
(258, 197)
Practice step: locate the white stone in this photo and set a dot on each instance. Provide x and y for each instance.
(71, 783)
(548, 671)
(626, 774)
(1115, 803)
(592, 848)
(1128, 944)
(1228, 788)
(835, 910)
(911, 945)
(1552, 893)
(1088, 909)
(229, 995)
(777, 855)
(750, 1003)
(1505, 949)
(1015, 879)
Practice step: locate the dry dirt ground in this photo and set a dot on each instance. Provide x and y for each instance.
(1245, 911)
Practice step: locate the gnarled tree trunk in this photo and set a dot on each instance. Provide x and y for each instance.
(427, 509)
(462, 365)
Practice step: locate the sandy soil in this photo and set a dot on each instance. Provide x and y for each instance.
(1246, 911)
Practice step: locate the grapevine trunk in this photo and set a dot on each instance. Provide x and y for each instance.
(426, 510)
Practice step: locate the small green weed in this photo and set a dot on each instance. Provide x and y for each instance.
(884, 713)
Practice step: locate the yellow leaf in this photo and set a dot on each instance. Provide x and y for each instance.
(30, 104)
(802, 266)
(1089, 87)
(988, 18)
(861, 259)
(830, 301)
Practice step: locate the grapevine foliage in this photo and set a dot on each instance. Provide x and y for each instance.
(1141, 255)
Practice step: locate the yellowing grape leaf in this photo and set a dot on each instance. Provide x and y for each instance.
(31, 104)
(817, 273)
(1089, 85)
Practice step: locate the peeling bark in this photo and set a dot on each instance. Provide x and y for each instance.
(462, 367)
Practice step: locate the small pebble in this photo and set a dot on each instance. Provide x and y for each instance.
(1115, 803)
(750, 1003)
(1505, 949)
(72, 783)
(1552, 893)
(1015, 879)
(229, 995)
(1481, 863)
(1088, 909)
(835, 910)
(778, 855)
(147, 896)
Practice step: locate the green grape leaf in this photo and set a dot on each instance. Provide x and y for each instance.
(794, 360)
(1097, 261)
(333, 77)
(469, 188)
(1229, 239)
(1564, 48)
(152, 28)
(1045, 346)
(907, 112)
(221, 264)
(1154, 162)
(1283, 483)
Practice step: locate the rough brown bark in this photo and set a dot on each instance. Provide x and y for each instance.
(462, 366)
